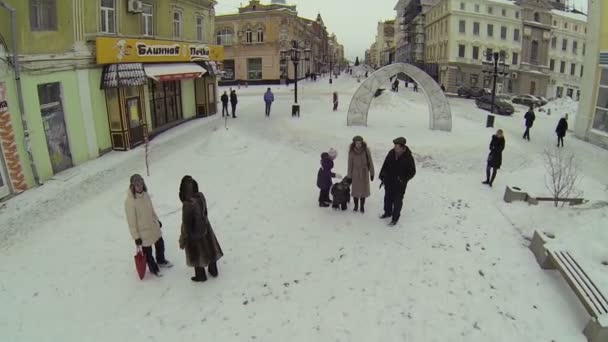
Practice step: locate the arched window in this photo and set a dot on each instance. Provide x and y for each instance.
(534, 52)
(224, 37)
(260, 35)
(249, 36)
(537, 17)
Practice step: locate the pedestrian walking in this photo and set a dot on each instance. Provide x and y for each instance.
(442, 88)
(529, 121)
(415, 87)
(335, 101)
(233, 101)
(497, 145)
(324, 178)
(224, 99)
(360, 171)
(197, 237)
(396, 85)
(268, 99)
(398, 169)
(560, 130)
(144, 224)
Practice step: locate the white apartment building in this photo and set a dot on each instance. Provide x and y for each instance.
(460, 34)
(567, 54)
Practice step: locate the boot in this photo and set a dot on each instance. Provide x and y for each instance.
(356, 200)
(213, 270)
(199, 274)
(362, 208)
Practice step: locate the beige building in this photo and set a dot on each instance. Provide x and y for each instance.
(461, 34)
(254, 37)
(385, 43)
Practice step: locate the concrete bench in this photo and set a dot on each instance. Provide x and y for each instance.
(588, 293)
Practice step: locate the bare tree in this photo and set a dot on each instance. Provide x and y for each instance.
(562, 174)
(147, 154)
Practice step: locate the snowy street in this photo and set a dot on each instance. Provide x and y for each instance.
(455, 268)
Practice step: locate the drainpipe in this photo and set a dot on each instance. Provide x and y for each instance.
(17, 67)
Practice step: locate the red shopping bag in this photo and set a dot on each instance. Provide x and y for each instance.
(140, 263)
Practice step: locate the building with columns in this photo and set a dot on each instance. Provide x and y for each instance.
(254, 37)
(461, 34)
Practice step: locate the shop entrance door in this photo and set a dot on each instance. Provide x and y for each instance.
(56, 133)
(136, 122)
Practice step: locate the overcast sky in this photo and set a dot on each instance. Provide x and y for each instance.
(353, 21)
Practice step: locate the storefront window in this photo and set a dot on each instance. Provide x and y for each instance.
(228, 74)
(600, 121)
(254, 68)
(165, 103)
(113, 109)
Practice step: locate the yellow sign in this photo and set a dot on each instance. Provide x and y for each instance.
(132, 50)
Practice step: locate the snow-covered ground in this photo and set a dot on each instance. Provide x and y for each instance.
(456, 268)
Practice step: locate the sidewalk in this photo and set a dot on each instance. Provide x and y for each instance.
(78, 184)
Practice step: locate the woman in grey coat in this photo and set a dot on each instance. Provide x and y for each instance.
(361, 171)
(197, 236)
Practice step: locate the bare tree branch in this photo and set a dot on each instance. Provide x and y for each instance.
(562, 174)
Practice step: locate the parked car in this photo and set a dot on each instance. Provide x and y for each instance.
(501, 107)
(469, 92)
(543, 100)
(504, 97)
(526, 100)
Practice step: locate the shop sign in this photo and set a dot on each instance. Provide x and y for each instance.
(129, 50)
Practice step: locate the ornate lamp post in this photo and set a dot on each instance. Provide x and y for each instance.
(330, 59)
(294, 53)
(494, 66)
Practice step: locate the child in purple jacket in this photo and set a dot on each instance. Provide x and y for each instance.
(324, 177)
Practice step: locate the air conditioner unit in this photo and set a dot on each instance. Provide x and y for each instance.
(135, 6)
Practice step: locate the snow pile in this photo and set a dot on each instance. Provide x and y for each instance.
(560, 107)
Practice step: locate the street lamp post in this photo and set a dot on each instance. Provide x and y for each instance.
(295, 55)
(494, 66)
(330, 59)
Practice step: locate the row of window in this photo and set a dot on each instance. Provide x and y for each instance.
(43, 17)
(462, 53)
(565, 45)
(490, 9)
(225, 36)
(600, 120)
(462, 28)
(562, 67)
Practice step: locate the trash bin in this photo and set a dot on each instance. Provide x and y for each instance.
(490, 121)
(295, 110)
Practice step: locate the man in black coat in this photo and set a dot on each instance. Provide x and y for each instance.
(224, 100)
(529, 117)
(233, 102)
(560, 130)
(398, 169)
(497, 145)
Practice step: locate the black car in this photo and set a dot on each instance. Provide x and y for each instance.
(469, 92)
(501, 107)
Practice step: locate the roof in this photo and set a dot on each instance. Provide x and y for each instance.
(570, 15)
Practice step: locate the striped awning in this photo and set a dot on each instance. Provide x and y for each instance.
(123, 75)
(604, 58)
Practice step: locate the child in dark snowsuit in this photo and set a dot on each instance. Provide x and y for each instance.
(341, 193)
(324, 177)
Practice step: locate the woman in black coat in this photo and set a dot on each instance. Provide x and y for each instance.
(560, 130)
(197, 236)
(497, 145)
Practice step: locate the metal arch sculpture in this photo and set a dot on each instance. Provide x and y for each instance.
(440, 117)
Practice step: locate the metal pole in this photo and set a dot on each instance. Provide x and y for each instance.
(20, 102)
(494, 81)
(295, 65)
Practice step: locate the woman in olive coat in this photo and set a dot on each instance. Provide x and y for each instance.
(361, 171)
(197, 236)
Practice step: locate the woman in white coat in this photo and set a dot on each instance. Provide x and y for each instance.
(145, 225)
